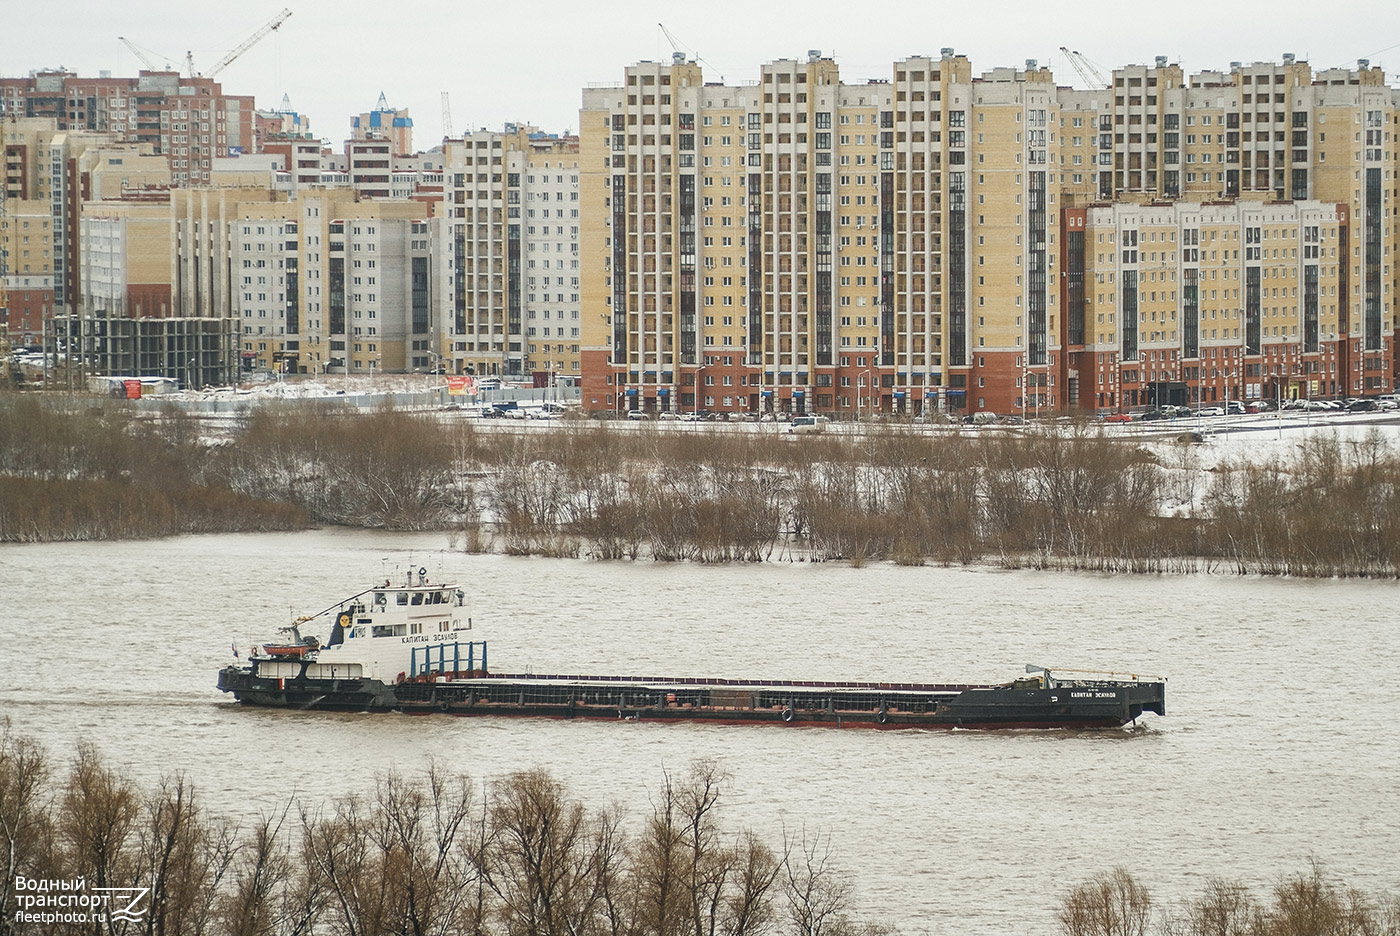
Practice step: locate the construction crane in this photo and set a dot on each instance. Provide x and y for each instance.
(1091, 75)
(145, 59)
(446, 117)
(681, 50)
(270, 26)
(273, 24)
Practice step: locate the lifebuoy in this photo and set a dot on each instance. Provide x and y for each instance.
(422, 571)
(881, 716)
(787, 714)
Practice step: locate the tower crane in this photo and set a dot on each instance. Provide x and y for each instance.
(678, 48)
(446, 117)
(136, 51)
(270, 26)
(1091, 75)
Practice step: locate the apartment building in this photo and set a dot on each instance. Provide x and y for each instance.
(1188, 302)
(1263, 134)
(190, 121)
(808, 243)
(511, 236)
(317, 283)
(26, 265)
(781, 245)
(280, 125)
(387, 124)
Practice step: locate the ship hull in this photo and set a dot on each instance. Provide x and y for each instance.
(814, 704)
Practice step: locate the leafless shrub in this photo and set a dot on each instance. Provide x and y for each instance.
(1056, 497)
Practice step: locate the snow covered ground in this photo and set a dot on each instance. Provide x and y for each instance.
(329, 385)
(1255, 438)
(1259, 438)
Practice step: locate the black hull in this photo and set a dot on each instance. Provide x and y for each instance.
(338, 695)
(1080, 705)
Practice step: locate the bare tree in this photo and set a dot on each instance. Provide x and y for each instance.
(96, 824)
(270, 895)
(182, 859)
(546, 863)
(1113, 904)
(818, 895)
(1225, 909)
(26, 827)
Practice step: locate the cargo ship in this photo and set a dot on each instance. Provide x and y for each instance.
(408, 646)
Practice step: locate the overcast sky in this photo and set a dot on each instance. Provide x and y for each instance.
(527, 61)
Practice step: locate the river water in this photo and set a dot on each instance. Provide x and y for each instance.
(1278, 746)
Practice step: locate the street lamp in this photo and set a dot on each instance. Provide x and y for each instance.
(860, 388)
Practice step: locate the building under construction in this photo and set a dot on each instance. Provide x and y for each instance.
(197, 352)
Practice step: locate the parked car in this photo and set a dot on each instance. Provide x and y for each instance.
(808, 424)
(1210, 411)
(1234, 407)
(1363, 406)
(637, 415)
(1118, 418)
(668, 415)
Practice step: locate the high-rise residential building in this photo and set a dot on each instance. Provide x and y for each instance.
(26, 265)
(1208, 301)
(190, 121)
(387, 124)
(319, 283)
(511, 217)
(61, 168)
(933, 239)
(282, 124)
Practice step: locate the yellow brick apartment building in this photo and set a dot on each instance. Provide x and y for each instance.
(940, 239)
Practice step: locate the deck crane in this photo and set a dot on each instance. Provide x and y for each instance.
(270, 26)
(1091, 75)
